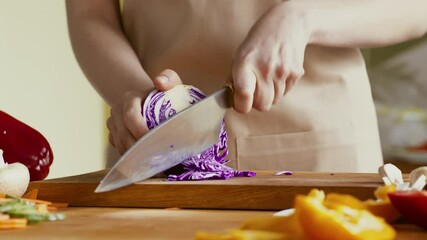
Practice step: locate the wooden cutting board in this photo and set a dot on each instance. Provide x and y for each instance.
(263, 192)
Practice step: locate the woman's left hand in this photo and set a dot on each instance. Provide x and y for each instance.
(270, 60)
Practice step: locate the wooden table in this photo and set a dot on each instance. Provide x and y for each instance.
(137, 223)
(147, 208)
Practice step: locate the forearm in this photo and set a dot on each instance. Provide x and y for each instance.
(102, 50)
(362, 23)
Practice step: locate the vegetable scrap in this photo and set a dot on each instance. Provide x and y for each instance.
(210, 164)
(16, 213)
(316, 216)
(23, 144)
(283, 173)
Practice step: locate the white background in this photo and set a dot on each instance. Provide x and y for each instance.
(42, 85)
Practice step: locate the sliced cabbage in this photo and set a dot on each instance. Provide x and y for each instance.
(211, 163)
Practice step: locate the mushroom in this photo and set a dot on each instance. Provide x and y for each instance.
(416, 173)
(418, 177)
(14, 178)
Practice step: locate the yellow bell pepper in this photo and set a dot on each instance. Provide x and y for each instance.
(336, 216)
(338, 221)
(239, 234)
(381, 207)
(288, 226)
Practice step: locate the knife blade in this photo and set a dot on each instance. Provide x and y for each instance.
(184, 135)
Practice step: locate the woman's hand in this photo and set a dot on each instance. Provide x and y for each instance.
(126, 124)
(270, 60)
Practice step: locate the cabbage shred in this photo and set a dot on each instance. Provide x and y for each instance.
(211, 163)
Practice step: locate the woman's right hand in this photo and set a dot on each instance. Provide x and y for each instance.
(126, 124)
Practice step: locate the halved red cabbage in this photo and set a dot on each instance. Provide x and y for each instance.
(210, 164)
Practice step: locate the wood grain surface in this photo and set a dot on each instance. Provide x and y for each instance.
(153, 224)
(263, 192)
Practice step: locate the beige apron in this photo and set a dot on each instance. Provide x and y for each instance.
(326, 123)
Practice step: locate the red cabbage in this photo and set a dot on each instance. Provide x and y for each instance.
(211, 163)
(283, 173)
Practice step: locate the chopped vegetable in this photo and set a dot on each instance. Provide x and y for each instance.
(59, 205)
(315, 218)
(418, 172)
(19, 212)
(31, 194)
(285, 225)
(25, 145)
(210, 164)
(381, 207)
(14, 178)
(283, 173)
(13, 223)
(339, 222)
(238, 234)
(412, 205)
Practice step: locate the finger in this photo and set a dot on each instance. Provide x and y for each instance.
(292, 79)
(166, 80)
(279, 83)
(122, 137)
(111, 140)
(264, 95)
(244, 82)
(111, 129)
(279, 90)
(289, 85)
(132, 116)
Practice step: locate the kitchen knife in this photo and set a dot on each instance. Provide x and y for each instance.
(186, 134)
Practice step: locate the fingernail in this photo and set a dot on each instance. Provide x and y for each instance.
(163, 79)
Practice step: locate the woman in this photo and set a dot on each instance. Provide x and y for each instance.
(302, 95)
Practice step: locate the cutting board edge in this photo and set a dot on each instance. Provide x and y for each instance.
(200, 197)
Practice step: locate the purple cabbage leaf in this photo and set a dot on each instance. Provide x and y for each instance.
(211, 163)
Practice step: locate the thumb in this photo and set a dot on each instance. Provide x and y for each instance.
(166, 80)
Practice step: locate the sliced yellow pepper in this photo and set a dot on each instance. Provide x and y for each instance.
(336, 216)
(339, 222)
(381, 207)
(382, 192)
(239, 234)
(288, 226)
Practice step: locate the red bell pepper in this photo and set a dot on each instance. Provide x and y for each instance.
(22, 143)
(412, 205)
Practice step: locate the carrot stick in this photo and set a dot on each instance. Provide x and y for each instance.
(4, 217)
(31, 194)
(3, 200)
(59, 205)
(13, 223)
(52, 209)
(42, 208)
(36, 201)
